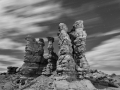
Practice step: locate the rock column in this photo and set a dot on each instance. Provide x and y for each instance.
(51, 57)
(33, 56)
(78, 36)
(65, 63)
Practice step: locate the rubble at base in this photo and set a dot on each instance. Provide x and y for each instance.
(69, 70)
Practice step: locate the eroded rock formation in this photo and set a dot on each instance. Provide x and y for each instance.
(51, 58)
(72, 70)
(78, 36)
(65, 63)
(33, 56)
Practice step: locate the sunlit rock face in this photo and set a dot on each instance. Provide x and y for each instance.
(65, 63)
(78, 37)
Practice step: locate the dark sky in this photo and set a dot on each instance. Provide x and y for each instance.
(41, 18)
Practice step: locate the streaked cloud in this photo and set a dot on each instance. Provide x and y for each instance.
(116, 31)
(21, 48)
(83, 9)
(106, 56)
(18, 18)
(9, 44)
(106, 3)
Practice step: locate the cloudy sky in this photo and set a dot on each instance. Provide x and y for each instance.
(40, 18)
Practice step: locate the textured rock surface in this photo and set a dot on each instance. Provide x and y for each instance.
(33, 56)
(72, 71)
(78, 37)
(51, 58)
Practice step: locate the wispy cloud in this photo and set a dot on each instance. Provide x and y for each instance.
(21, 48)
(9, 44)
(24, 17)
(106, 3)
(116, 31)
(83, 9)
(111, 32)
(106, 56)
